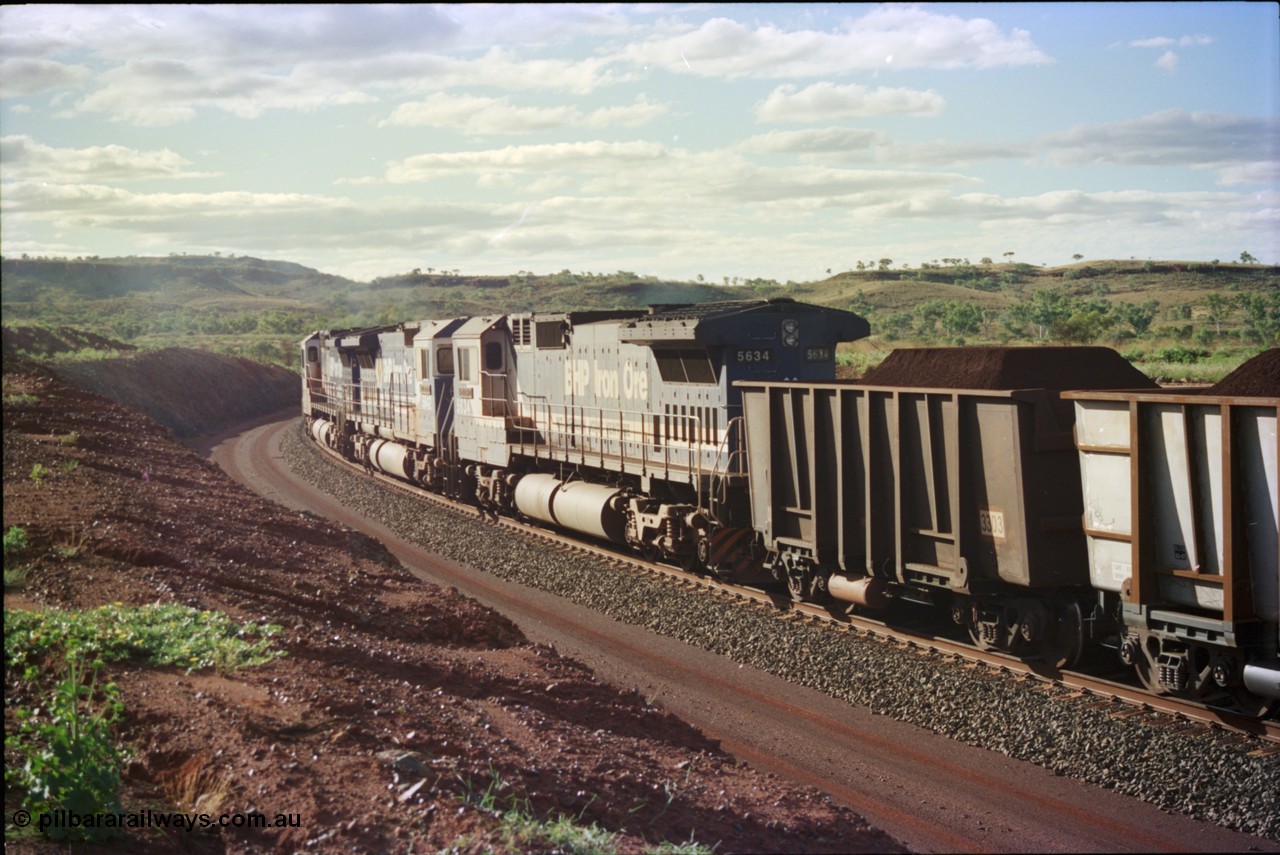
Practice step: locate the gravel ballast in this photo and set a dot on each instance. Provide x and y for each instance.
(1172, 765)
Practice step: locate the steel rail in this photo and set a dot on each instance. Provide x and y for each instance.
(1123, 700)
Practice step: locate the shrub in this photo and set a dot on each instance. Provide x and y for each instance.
(71, 762)
(15, 542)
(1179, 354)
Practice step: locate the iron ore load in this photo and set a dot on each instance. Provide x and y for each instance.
(973, 481)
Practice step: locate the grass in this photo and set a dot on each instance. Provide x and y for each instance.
(71, 762)
(72, 545)
(520, 829)
(158, 635)
(15, 544)
(67, 755)
(198, 786)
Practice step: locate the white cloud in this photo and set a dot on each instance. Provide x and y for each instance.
(1228, 144)
(533, 158)
(850, 145)
(904, 36)
(833, 102)
(814, 141)
(1168, 62)
(22, 158)
(276, 222)
(1165, 41)
(471, 114)
(160, 92)
(20, 77)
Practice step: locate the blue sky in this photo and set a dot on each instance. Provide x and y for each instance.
(776, 141)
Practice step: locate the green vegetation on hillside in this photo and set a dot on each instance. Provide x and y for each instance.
(1221, 312)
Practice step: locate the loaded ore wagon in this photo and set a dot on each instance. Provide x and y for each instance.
(1182, 520)
(947, 476)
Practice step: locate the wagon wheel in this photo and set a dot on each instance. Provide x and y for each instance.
(1253, 705)
(1064, 649)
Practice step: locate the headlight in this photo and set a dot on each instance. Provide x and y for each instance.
(790, 332)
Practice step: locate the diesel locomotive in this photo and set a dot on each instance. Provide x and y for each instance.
(617, 424)
(716, 436)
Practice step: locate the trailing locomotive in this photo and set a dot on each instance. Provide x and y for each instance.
(715, 436)
(618, 424)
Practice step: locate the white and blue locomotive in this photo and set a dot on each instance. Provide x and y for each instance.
(623, 425)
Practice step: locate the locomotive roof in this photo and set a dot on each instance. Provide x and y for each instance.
(720, 323)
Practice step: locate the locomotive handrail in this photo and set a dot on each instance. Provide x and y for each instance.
(598, 434)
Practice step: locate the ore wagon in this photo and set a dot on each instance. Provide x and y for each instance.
(947, 476)
(1182, 521)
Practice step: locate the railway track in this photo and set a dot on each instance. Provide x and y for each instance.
(1120, 699)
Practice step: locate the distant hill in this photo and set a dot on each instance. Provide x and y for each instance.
(1171, 311)
(27, 280)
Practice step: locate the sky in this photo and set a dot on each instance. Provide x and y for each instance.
(754, 141)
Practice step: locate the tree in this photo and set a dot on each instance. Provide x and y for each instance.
(886, 263)
(1217, 308)
(1137, 317)
(1261, 318)
(1008, 256)
(860, 305)
(1044, 309)
(1085, 324)
(960, 318)
(1246, 258)
(896, 325)
(1077, 256)
(928, 315)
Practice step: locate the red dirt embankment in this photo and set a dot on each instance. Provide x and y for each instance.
(395, 699)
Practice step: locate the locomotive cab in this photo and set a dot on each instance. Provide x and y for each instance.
(484, 368)
(433, 360)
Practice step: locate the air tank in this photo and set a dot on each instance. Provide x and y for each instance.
(577, 505)
(391, 457)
